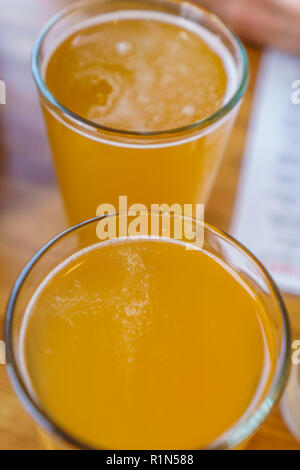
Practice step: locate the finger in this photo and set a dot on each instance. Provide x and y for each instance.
(219, 7)
(260, 21)
(284, 7)
(284, 12)
(262, 31)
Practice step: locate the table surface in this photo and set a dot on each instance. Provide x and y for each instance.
(30, 207)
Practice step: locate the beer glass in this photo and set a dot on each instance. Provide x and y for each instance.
(96, 164)
(216, 244)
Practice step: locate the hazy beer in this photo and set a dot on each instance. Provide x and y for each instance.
(139, 343)
(139, 99)
(122, 353)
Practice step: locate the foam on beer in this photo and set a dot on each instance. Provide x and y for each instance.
(137, 107)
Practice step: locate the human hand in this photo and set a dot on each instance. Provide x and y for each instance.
(265, 22)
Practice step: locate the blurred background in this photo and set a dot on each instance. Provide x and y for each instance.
(30, 207)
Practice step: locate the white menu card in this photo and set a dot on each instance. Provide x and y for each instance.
(267, 210)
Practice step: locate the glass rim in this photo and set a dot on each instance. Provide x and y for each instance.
(93, 126)
(232, 436)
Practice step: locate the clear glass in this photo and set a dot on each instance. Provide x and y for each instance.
(290, 403)
(215, 242)
(95, 164)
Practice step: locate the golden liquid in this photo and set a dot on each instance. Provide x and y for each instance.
(137, 75)
(145, 345)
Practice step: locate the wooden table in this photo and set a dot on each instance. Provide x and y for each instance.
(30, 208)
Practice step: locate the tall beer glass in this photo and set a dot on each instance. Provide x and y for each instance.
(95, 162)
